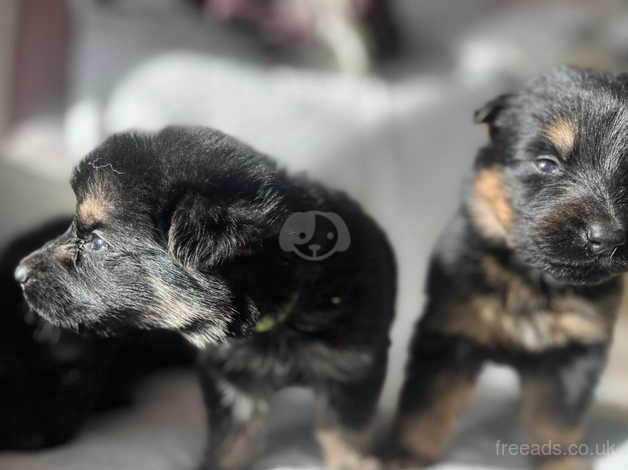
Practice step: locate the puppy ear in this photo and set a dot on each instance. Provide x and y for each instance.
(203, 234)
(489, 112)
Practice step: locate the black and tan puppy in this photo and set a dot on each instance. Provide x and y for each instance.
(192, 231)
(527, 271)
(52, 381)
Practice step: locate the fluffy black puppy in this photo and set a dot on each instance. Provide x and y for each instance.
(53, 380)
(527, 271)
(181, 230)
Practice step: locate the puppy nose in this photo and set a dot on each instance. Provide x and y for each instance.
(314, 247)
(22, 273)
(603, 238)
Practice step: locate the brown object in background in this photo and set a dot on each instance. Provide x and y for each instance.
(40, 57)
(357, 32)
(7, 14)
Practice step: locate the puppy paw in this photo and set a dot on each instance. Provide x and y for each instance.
(397, 458)
(354, 462)
(573, 463)
(405, 464)
(340, 454)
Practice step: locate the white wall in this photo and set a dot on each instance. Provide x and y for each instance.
(8, 10)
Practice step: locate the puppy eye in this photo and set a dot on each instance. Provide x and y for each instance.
(95, 243)
(547, 164)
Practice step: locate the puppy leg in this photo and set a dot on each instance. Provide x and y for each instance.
(440, 380)
(345, 415)
(237, 417)
(557, 395)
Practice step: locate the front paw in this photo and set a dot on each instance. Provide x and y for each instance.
(407, 463)
(571, 463)
(397, 458)
(354, 462)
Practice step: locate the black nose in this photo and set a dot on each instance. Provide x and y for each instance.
(604, 238)
(21, 274)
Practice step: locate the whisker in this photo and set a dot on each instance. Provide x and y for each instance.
(613, 252)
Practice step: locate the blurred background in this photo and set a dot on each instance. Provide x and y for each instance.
(371, 96)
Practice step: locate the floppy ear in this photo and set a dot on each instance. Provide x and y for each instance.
(203, 234)
(487, 113)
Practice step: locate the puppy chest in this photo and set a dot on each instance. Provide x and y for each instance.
(279, 360)
(517, 317)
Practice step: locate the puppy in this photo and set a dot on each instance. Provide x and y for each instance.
(192, 231)
(527, 272)
(53, 380)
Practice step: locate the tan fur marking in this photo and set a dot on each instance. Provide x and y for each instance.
(543, 427)
(568, 463)
(64, 255)
(489, 207)
(428, 432)
(167, 301)
(92, 209)
(537, 414)
(487, 321)
(176, 311)
(520, 318)
(578, 319)
(562, 134)
(242, 448)
(342, 450)
(94, 206)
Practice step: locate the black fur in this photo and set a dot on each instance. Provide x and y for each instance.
(516, 276)
(191, 221)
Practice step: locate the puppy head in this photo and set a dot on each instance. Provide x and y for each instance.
(551, 183)
(156, 218)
